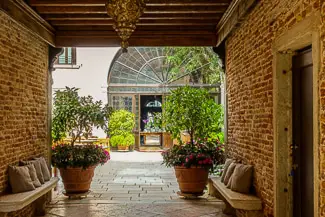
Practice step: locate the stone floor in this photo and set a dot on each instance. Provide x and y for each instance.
(134, 184)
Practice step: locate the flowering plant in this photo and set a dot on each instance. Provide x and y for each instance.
(84, 156)
(201, 153)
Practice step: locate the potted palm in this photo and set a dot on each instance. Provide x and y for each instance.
(193, 110)
(74, 117)
(121, 125)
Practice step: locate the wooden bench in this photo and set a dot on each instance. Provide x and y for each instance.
(237, 204)
(14, 202)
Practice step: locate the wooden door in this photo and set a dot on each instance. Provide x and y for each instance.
(303, 157)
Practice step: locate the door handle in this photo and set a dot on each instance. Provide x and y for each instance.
(294, 147)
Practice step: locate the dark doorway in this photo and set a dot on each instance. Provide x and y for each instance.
(149, 105)
(151, 129)
(303, 157)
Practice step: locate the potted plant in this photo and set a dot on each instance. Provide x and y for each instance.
(193, 110)
(74, 117)
(121, 125)
(122, 142)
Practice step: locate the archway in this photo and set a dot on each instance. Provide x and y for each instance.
(144, 73)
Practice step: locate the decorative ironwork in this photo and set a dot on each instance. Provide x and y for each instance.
(126, 14)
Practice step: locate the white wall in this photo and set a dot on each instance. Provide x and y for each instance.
(91, 77)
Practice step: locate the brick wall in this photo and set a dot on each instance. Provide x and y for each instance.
(250, 87)
(23, 98)
(322, 114)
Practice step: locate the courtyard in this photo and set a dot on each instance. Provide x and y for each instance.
(134, 184)
(271, 60)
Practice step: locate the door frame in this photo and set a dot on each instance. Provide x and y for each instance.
(302, 34)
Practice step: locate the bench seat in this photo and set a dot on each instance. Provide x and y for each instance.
(14, 202)
(234, 200)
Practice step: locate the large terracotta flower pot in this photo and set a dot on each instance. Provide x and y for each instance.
(77, 180)
(192, 180)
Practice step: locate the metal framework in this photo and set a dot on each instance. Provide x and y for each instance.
(146, 69)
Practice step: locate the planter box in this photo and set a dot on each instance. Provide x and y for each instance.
(123, 148)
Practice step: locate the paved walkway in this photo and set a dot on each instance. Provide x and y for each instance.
(134, 184)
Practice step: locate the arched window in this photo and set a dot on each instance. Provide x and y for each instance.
(154, 103)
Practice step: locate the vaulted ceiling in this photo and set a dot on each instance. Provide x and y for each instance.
(164, 22)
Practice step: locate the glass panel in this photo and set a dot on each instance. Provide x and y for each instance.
(136, 112)
(62, 57)
(69, 55)
(155, 103)
(122, 102)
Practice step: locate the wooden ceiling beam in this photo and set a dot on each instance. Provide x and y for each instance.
(50, 3)
(140, 28)
(29, 20)
(144, 17)
(163, 22)
(149, 10)
(108, 32)
(144, 40)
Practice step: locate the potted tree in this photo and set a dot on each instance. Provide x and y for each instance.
(193, 110)
(75, 117)
(121, 125)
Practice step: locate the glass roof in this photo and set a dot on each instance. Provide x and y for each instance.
(145, 69)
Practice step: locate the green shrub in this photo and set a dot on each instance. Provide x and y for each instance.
(116, 140)
(129, 139)
(121, 123)
(122, 140)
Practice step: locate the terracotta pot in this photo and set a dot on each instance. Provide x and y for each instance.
(122, 148)
(192, 180)
(77, 180)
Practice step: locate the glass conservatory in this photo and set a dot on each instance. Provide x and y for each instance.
(139, 80)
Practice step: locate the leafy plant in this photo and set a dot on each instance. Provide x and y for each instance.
(75, 116)
(107, 112)
(121, 122)
(129, 139)
(84, 156)
(157, 120)
(200, 63)
(200, 153)
(122, 140)
(192, 109)
(116, 140)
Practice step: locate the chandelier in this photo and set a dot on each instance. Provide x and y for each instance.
(125, 14)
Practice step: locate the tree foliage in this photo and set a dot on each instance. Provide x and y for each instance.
(121, 122)
(192, 109)
(200, 63)
(75, 116)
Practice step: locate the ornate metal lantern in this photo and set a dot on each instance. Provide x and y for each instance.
(126, 14)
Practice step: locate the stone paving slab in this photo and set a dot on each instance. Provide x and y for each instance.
(131, 185)
(135, 210)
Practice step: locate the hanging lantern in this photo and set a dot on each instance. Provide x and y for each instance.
(126, 14)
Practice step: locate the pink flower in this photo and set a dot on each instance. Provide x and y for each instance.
(186, 160)
(200, 162)
(191, 157)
